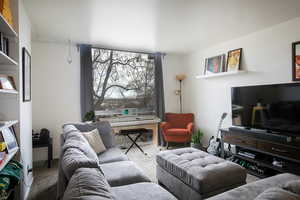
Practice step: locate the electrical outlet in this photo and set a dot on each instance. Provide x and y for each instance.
(29, 170)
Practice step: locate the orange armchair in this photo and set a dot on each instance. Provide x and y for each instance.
(177, 128)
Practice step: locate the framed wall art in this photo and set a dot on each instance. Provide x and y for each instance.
(234, 58)
(296, 61)
(214, 64)
(26, 64)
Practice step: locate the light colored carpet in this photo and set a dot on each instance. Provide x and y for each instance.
(44, 185)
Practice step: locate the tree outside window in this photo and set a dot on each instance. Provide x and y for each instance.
(123, 80)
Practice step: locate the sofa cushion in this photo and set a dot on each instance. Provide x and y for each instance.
(123, 173)
(112, 155)
(88, 184)
(252, 190)
(293, 186)
(145, 191)
(74, 139)
(201, 170)
(94, 140)
(69, 128)
(73, 159)
(277, 193)
(104, 129)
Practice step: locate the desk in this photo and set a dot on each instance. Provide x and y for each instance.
(138, 124)
(49, 145)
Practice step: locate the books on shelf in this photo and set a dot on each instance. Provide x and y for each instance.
(2, 146)
(2, 157)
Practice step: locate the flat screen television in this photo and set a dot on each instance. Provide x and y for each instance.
(270, 107)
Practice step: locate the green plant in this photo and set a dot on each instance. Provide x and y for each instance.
(197, 136)
(89, 116)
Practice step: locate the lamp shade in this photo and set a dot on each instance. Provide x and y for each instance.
(180, 77)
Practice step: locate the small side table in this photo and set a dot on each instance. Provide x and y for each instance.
(49, 145)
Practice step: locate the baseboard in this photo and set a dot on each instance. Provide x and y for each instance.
(27, 188)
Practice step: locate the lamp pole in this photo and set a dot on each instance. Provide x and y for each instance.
(180, 96)
(180, 78)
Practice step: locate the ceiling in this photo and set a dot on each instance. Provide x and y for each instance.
(179, 26)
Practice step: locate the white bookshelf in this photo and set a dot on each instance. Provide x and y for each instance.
(6, 60)
(3, 91)
(221, 74)
(9, 108)
(6, 28)
(8, 158)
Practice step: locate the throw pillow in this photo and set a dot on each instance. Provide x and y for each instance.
(94, 139)
(293, 186)
(277, 193)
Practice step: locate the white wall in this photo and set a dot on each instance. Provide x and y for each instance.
(25, 107)
(172, 65)
(267, 57)
(56, 89)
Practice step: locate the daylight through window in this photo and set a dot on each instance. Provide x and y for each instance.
(123, 80)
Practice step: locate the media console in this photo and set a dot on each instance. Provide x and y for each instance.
(264, 148)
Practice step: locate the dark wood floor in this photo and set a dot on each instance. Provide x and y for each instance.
(44, 182)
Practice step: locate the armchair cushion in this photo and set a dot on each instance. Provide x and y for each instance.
(177, 131)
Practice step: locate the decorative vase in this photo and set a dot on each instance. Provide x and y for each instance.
(196, 145)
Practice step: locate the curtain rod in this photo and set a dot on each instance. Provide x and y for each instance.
(126, 50)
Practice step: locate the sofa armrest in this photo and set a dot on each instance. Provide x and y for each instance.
(165, 126)
(190, 127)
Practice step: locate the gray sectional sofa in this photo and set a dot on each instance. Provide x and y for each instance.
(280, 187)
(110, 175)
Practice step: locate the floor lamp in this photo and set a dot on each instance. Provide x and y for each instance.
(180, 78)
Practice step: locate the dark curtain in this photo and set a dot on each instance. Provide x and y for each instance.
(159, 92)
(86, 79)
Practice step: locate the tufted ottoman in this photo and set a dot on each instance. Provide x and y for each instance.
(193, 174)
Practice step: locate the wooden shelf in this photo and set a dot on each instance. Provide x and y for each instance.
(8, 158)
(6, 28)
(9, 91)
(221, 74)
(266, 164)
(6, 60)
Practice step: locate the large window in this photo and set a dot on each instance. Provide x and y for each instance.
(123, 80)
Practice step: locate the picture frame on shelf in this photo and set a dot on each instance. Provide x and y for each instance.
(7, 82)
(296, 61)
(234, 58)
(9, 139)
(26, 74)
(214, 64)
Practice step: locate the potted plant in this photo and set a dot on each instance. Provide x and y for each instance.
(89, 116)
(196, 139)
